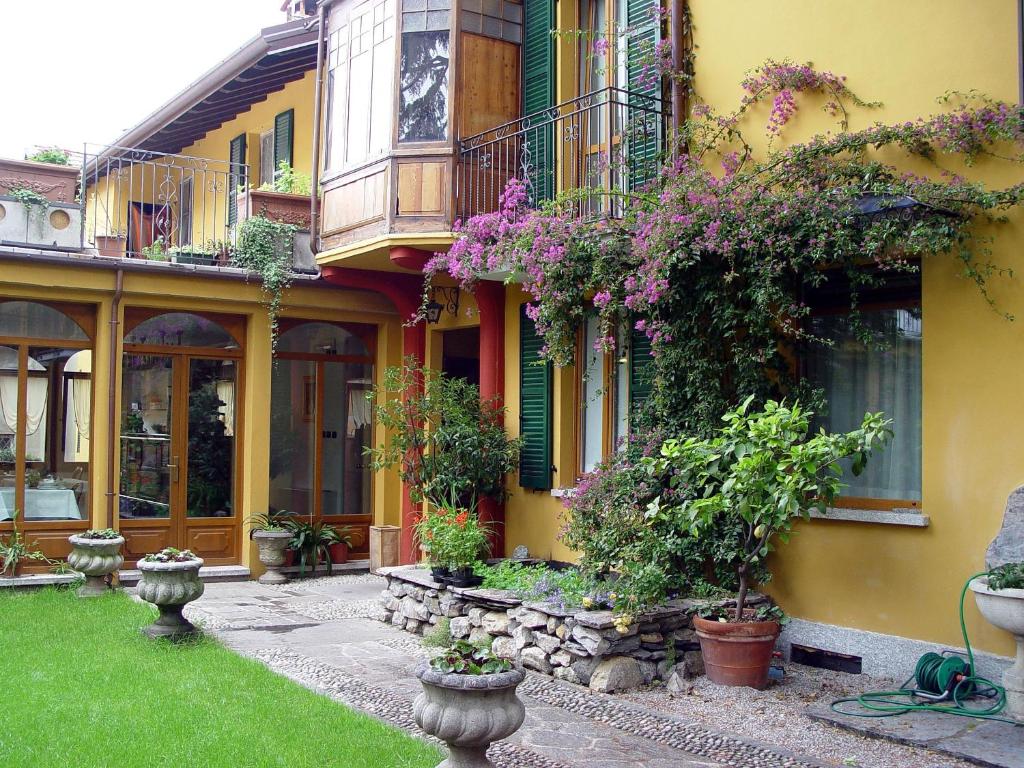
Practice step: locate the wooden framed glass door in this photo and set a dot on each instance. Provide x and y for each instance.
(179, 429)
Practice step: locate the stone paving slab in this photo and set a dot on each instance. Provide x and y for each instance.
(983, 742)
(319, 633)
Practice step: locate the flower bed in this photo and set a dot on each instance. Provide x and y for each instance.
(580, 646)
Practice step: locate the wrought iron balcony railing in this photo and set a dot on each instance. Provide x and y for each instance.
(611, 141)
(161, 207)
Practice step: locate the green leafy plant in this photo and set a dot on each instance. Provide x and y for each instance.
(454, 538)
(100, 534)
(133, 423)
(311, 542)
(14, 549)
(289, 181)
(265, 247)
(51, 155)
(342, 535)
(157, 250)
(1008, 576)
(441, 634)
(271, 520)
(464, 658)
(761, 473)
(28, 197)
(448, 443)
(209, 450)
(171, 555)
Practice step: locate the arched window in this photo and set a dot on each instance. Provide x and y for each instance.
(45, 411)
(322, 339)
(181, 329)
(32, 320)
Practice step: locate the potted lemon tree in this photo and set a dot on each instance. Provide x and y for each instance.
(749, 485)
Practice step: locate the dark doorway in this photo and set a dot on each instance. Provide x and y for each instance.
(460, 354)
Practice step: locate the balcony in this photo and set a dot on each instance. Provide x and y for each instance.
(610, 141)
(161, 207)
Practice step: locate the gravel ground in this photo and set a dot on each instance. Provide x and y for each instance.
(775, 716)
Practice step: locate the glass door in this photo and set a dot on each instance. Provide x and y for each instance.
(149, 453)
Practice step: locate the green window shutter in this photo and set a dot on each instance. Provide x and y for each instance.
(535, 407)
(236, 175)
(538, 95)
(284, 130)
(641, 369)
(645, 137)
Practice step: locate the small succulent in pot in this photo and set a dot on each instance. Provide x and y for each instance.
(170, 580)
(468, 701)
(96, 553)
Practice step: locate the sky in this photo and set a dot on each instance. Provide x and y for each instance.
(79, 71)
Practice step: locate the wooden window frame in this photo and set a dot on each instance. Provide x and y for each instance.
(900, 297)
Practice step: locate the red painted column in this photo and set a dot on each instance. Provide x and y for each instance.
(404, 291)
(490, 299)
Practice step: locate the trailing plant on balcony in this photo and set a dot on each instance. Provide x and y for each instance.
(714, 259)
(265, 247)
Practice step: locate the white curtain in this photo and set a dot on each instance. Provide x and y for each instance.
(880, 377)
(226, 393)
(35, 416)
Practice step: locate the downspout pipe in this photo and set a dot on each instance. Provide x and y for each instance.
(678, 32)
(314, 189)
(115, 325)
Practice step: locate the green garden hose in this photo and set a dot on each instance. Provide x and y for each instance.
(945, 677)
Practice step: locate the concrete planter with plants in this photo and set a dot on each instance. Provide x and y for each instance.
(170, 581)
(468, 701)
(97, 555)
(1000, 599)
(271, 546)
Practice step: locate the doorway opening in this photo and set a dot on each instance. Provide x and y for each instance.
(460, 354)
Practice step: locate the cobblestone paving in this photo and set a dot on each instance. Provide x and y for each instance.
(317, 632)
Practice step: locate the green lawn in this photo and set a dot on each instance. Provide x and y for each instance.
(83, 689)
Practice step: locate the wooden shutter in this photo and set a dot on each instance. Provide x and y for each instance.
(535, 407)
(236, 175)
(284, 130)
(641, 369)
(538, 95)
(645, 134)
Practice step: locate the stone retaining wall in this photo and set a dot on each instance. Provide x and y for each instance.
(582, 647)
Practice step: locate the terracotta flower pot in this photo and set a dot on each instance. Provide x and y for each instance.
(339, 552)
(468, 712)
(737, 653)
(97, 559)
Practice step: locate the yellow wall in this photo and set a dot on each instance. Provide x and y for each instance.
(182, 292)
(891, 579)
(905, 581)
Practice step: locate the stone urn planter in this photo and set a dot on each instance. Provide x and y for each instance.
(468, 712)
(170, 586)
(737, 653)
(1004, 608)
(97, 558)
(272, 545)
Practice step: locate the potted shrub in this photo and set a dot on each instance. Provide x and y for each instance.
(468, 701)
(311, 543)
(749, 484)
(96, 554)
(170, 581)
(272, 533)
(341, 541)
(16, 552)
(430, 529)
(464, 541)
(1000, 598)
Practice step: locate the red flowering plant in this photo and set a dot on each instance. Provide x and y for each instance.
(455, 538)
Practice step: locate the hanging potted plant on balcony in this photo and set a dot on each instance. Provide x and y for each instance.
(749, 485)
(272, 532)
(97, 554)
(468, 701)
(170, 581)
